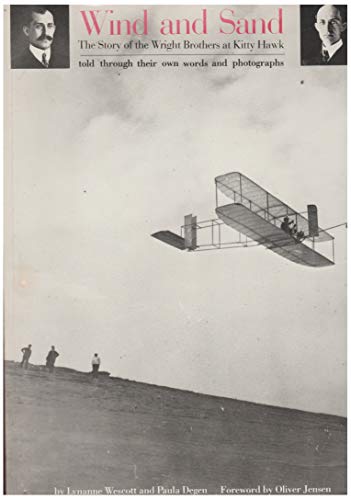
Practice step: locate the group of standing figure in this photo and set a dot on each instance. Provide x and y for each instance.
(286, 226)
(51, 358)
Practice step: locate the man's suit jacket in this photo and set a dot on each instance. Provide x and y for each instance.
(338, 59)
(26, 60)
(340, 56)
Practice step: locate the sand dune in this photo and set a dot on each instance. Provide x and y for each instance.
(64, 433)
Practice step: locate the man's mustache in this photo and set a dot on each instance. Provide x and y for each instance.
(45, 37)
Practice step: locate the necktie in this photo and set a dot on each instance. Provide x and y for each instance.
(45, 61)
(325, 56)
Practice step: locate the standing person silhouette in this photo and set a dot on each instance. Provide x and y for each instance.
(95, 362)
(51, 358)
(27, 352)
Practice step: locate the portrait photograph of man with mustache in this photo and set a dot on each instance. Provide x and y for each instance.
(323, 35)
(39, 37)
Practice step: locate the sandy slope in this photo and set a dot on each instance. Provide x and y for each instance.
(65, 432)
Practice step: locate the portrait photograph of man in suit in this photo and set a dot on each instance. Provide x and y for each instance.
(39, 37)
(323, 35)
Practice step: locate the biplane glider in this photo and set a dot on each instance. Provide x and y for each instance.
(258, 218)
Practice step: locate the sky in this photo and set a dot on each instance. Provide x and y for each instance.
(98, 160)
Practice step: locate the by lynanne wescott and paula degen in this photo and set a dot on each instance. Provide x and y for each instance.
(226, 21)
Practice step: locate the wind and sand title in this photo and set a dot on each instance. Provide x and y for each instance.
(106, 22)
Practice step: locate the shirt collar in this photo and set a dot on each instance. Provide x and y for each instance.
(38, 53)
(333, 48)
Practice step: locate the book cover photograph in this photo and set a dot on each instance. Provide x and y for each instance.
(175, 249)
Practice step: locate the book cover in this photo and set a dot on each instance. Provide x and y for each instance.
(175, 249)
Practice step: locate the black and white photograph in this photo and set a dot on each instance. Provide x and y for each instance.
(176, 252)
(40, 37)
(323, 35)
